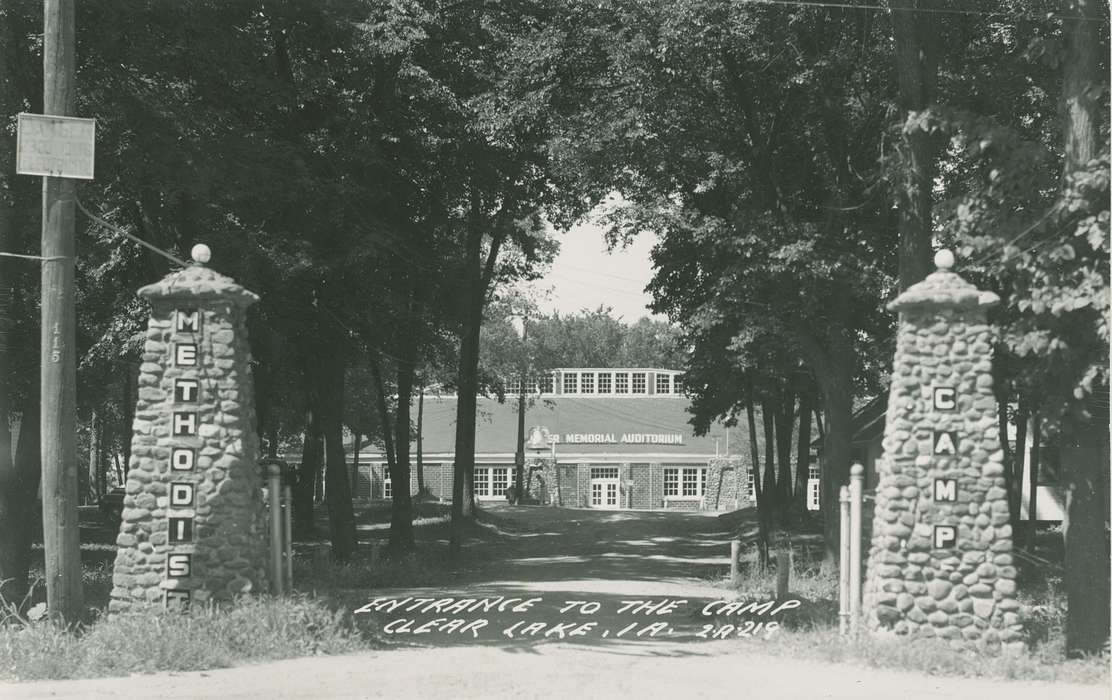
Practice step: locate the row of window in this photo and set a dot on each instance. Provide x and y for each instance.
(617, 383)
(685, 481)
(492, 482)
(678, 481)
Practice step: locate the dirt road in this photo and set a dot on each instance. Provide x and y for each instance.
(575, 604)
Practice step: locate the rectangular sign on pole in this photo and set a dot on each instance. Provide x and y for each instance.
(53, 146)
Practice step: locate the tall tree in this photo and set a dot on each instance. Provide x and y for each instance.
(1085, 477)
(20, 76)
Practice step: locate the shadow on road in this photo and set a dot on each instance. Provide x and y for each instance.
(635, 581)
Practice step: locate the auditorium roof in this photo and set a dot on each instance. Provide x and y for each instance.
(585, 425)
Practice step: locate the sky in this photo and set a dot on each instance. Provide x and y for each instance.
(585, 275)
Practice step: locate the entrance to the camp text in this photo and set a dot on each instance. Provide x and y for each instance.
(605, 488)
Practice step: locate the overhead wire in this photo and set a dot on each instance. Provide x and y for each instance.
(919, 10)
(120, 232)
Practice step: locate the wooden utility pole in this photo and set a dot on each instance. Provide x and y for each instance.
(58, 358)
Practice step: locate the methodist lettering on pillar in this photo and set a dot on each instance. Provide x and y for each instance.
(940, 562)
(192, 527)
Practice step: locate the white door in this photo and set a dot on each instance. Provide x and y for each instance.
(605, 494)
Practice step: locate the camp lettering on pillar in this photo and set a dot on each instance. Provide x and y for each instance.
(193, 526)
(940, 564)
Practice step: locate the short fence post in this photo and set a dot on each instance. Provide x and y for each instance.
(287, 511)
(783, 565)
(843, 561)
(856, 482)
(277, 527)
(735, 553)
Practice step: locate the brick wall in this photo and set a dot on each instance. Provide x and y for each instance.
(641, 477)
(656, 472)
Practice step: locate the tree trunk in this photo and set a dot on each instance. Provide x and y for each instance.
(120, 479)
(102, 456)
(94, 454)
(768, 478)
(803, 450)
(831, 357)
(463, 490)
(1080, 83)
(421, 490)
(341, 516)
(915, 35)
(1086, 565)
(768, 506)
(463, 471)
(758, 491)
(838, 401)
(401, 515)
(18, 505)
(1033, 482)
(1019, 466)
(130, 399)
(785, 424)
(383, 415)
(357, 445)
(14, 496)
(478, 276)
(1086, 580)
(272, 442)
(320, 494)
(311, 455)
(1002, 401)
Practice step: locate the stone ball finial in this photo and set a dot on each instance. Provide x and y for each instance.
(201, 253)
(944, 259)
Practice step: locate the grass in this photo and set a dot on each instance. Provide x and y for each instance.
(811, 632)
(153, 639)
(317, 619)
(1045, 662)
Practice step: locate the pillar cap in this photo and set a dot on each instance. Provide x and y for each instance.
(943, 288)
(198, 283)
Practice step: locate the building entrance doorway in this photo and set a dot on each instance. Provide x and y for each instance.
(605, 488)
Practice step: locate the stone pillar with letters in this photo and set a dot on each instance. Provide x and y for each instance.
(940, 564)
(193, 526)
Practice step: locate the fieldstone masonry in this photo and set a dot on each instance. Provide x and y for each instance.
(940, 564)
(193, 525)
(723, 487)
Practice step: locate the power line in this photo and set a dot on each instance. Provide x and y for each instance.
(48, 258)
(119, 231)
(921, 10)
(597, 272)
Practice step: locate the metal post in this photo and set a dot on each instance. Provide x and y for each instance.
(287, 512)
(274, 501)
(856, 481)
(519, 451)
(843, 561)
(735, 553)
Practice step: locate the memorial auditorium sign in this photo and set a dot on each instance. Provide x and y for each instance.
(623, 438)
